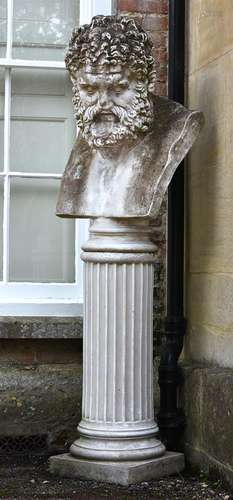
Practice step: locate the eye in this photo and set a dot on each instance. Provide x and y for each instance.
(118, 89)
(89, 89)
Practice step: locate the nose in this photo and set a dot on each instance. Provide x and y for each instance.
(105, 100)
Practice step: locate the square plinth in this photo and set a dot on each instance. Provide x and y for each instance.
(124, 473)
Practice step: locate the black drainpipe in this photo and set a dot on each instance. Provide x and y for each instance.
(170, 417)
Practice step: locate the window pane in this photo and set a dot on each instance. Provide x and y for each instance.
(42, 28)
(41, 244)
(43, 127)
(1, 119)
(3, 27)
(1, 225)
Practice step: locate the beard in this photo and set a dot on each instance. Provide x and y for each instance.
(103, 129)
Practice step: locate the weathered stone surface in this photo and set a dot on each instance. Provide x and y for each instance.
(191, 399)
(41, 400)
(208, 391)
(209, 344)
(124, 473)
(200, 460)
(130, 142)
(40, 328)
(211, 303)
(118, 412)
(210, 318)
(138, 178)
(208, 402)
(36, 351)
(210, 191)
(217, 414)
(129, 145)
(206, 19)
(210, 176)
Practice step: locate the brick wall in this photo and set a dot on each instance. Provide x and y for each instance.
(153, 16)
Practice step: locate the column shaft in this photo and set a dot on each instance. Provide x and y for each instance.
(117, 352)
(118, 411)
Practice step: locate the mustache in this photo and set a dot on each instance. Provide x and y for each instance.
(91, 112)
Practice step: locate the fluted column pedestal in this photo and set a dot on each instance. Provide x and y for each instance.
(117, 435)
(118, 412)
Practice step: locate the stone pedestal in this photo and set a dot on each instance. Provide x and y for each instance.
(118, 430)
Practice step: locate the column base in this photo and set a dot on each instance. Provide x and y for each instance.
(119, 441)
(118, 450)
(124, 473)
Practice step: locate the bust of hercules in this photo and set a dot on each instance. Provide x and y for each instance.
(130, 141)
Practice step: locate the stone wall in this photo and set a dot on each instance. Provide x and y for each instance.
(41, 385)
(209, 341)
(208, 400)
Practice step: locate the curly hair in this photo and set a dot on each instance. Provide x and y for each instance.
(112, 40)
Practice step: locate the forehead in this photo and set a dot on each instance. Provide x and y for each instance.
(103, 73)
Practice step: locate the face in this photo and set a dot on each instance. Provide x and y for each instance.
(110, 106)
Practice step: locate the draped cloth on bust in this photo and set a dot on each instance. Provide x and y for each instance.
(93, 186)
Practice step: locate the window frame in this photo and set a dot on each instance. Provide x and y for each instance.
(30, 298)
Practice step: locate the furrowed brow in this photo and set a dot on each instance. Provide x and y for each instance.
(123, 81)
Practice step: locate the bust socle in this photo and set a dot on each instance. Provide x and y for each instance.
(130, 141)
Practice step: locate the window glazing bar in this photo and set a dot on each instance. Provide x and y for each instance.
(7, 119)
(6, 204)
(32, 175)
(9, 28)
(30, 63)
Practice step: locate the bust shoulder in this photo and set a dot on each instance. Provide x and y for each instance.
(135, 186)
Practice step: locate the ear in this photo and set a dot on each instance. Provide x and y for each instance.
(73, 77)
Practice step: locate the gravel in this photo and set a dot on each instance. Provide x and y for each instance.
(29, 478)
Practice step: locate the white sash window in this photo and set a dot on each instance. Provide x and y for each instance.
(40, 267)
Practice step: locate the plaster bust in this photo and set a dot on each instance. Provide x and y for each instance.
(130, 141)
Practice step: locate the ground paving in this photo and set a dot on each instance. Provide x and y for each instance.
(28, 478)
